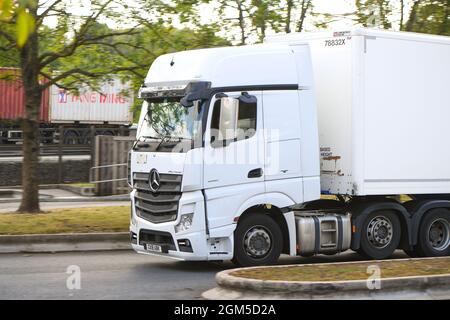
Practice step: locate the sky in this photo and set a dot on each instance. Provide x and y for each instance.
(209, 14)
(82, 7)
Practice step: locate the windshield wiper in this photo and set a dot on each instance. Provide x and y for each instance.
(149, 137)
(163, 139)
(144, 137)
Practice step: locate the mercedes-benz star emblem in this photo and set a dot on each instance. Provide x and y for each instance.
(154, 180)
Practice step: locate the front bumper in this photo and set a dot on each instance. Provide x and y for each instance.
(164, 235)
(198, 253)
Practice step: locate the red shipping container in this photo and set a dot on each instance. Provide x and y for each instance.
(12, 103)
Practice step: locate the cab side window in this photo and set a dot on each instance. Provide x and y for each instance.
(245, 126)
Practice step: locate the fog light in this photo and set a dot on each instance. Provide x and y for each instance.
(184, 245)
(185, 222)
(133, 237)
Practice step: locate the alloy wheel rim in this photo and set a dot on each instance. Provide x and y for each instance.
(438, 234)
(257, 242)
(380, 232)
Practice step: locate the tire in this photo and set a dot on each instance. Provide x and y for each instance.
(434, 234)
(251, 244)
(380, 235)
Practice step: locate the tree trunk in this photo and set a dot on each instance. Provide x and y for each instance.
(241, 21)
(402, 13)
(287, 27)
(444, 29)
(304, 7)
(383, 15)
(263, 31)
(412, 16)
(30, 124)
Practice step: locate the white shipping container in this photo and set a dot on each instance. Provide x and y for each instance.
(108, 105)
(383, 102)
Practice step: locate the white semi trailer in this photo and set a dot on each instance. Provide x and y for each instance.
(236, 145)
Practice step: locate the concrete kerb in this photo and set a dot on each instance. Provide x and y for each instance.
(82, 191)
(415, 287)
(42, 243)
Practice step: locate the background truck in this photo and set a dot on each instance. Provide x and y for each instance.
(107, 112)
(236, 145)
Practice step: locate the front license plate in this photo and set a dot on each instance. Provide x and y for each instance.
(153, 247)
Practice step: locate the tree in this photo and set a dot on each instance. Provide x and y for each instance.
(424, 16)
(72, 35)
(412, 16)
(429, 16)
(239, 18)
(159, 39)
(244, 21)
(374, 13)
(402, 14)
(288, 19)
(304, 7)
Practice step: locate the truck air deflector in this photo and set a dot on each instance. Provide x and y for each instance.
(189, 93)
(266, 87)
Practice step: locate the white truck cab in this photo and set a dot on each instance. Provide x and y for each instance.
(228, 162)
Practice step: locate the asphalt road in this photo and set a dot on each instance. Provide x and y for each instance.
(117, 275)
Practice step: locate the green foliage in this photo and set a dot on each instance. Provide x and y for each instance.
(430, 16)
(25, 25)
(131, 53)
(374, 13)
(6, 9)
(159, 39)
(18, 12)
(423, 16)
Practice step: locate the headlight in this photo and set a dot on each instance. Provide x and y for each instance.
(185, 223)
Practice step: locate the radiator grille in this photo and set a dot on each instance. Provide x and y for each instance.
(160, 206)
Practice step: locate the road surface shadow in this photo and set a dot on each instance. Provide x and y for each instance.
(187, 266)
(208, 266)
(348, 256)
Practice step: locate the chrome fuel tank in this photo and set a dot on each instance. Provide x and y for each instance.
(322, 233)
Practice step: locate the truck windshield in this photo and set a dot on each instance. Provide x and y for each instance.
(169, 120)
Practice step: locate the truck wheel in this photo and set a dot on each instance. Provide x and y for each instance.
(434, 234)
(380, 235)
(257, 241)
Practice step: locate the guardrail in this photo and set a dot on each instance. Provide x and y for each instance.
(91, 180)
(15, 150)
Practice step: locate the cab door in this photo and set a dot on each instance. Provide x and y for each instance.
(233, 162)
(234, 157)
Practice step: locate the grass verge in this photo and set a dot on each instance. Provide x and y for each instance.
(349, 271)
(73, 220)
(82, 185)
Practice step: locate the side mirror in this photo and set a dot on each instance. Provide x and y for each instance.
(229, 108)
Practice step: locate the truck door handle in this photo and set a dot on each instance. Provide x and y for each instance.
(255, 173)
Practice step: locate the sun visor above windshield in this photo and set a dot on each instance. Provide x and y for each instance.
(253, 65)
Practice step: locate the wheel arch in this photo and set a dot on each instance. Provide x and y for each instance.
(279, 200)
(275, 205)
